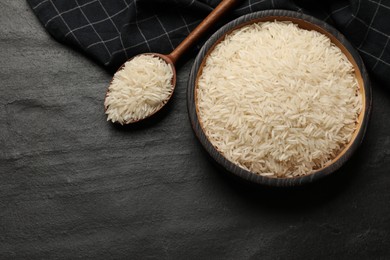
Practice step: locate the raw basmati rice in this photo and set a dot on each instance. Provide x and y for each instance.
(278, 100)
(139, 89)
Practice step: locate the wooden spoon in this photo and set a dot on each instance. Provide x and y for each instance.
(188, 42)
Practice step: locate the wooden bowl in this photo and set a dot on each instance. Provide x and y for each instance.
(304, 22)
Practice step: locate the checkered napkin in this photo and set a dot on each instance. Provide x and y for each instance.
(111, 31)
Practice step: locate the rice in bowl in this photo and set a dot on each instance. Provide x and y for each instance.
(278, 100)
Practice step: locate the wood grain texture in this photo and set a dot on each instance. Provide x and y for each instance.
(305, 22)
(73, 186)
(219, 12)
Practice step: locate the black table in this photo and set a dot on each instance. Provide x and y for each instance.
(74, 186)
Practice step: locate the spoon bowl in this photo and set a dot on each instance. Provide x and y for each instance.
(170, 63)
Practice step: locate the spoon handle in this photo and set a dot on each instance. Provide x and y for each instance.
(202, 28)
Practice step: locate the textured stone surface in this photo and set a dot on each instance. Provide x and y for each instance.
(74, 186)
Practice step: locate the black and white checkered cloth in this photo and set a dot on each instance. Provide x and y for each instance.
(111, 31)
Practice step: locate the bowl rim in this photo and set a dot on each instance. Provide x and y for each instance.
(285, 15)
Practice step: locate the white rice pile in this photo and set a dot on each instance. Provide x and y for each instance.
(139, 89)
(278, 100)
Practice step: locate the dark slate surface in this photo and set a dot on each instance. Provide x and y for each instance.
(74, 186)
